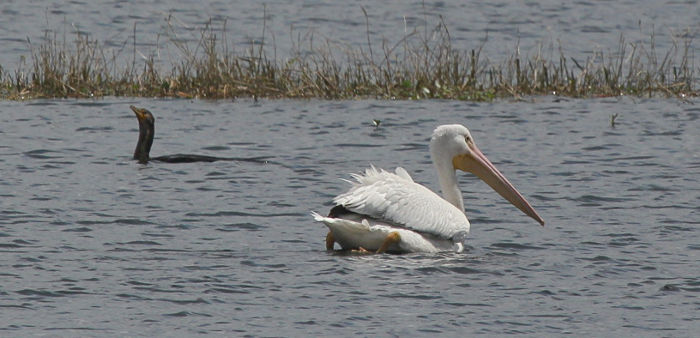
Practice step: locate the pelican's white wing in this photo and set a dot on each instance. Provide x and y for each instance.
(396, 199)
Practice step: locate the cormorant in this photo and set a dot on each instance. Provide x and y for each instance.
(143, 147)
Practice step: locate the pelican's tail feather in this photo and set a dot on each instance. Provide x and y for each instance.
(352, 234)
(355, 234)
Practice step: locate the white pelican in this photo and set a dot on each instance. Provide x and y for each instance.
(388, 212)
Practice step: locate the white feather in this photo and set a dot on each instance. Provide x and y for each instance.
(381, 203)
(353, 234)
(398, 201)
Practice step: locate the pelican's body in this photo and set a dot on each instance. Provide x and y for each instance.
(389, 212)
(403, 203)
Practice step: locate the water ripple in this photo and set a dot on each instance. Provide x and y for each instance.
(152, 250)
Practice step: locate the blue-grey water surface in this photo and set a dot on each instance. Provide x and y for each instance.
(96, 244)
(500, 28)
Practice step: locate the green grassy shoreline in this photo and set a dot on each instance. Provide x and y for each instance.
(418, 66)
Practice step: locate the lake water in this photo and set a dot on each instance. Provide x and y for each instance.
(500, 28)
(95, 244)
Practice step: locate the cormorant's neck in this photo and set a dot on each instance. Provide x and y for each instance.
(143, 146)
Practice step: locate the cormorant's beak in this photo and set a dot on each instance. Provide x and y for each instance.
(476, 163)
(140, 112)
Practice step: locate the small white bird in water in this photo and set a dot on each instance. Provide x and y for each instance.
(388, 212)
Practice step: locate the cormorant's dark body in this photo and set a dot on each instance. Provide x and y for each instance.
(188, 158)
(146, 133)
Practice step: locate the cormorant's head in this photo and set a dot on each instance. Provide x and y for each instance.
(143, 115)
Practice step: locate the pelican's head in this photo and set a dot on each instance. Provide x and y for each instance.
(454, 146)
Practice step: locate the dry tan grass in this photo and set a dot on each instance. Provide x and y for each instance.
(420, 65)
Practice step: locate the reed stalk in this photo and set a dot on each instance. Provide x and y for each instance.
(423, 64)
